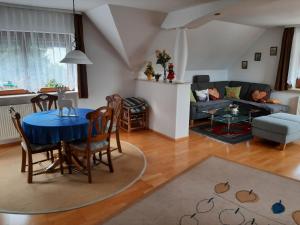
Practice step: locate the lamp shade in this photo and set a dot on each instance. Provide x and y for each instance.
(76, 57)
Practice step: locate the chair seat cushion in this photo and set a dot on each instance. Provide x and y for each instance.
(81, 146)
(39, 148)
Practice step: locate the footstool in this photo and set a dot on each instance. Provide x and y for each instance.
(279, 127)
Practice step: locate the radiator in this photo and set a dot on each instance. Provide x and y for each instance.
(7, 129)
(298, 107)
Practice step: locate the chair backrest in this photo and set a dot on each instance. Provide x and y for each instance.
(16, 118)
(44, 102)
(100, 124)
(115, 102)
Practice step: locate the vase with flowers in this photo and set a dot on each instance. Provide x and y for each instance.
(163, 58)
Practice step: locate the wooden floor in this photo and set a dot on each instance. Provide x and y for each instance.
(167, 159)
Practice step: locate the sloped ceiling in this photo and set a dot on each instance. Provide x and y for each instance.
(137, 29)
(182, 17)
(136, 34)
(104, 21)
(130, 31)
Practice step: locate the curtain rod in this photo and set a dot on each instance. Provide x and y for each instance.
(38, 8)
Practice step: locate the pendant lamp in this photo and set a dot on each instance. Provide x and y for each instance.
(76, 56)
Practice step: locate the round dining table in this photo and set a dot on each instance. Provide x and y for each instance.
(49, 128)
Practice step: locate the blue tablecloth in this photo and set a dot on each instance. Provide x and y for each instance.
(48, 128)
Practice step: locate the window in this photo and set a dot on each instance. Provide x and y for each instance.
(30, 60)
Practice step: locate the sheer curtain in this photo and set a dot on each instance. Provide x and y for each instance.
(32, 43)
(294, 69)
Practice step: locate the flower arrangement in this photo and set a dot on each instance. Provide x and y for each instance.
(149, 72)
(163, 58)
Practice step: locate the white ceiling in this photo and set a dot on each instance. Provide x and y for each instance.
(83, 5)
(250, 12)
(264, 12)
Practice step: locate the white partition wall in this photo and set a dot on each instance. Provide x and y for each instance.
(169, 107)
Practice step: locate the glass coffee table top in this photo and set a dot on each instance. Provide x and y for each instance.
(230, 118)
(226, 117)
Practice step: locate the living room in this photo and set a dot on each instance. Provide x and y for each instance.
(150, 112)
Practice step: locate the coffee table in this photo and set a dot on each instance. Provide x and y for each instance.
(230, 119)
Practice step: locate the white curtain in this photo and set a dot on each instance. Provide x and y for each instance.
(294, 69)
(35, 20)
(31, 60)
(32, 43)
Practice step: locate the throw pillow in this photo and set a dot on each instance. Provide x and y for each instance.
(259, 96)
(273, 101)
(203, 95)
(192, 97)
(233, 92)
(213, 94)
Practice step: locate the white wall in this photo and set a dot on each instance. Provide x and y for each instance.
(108, 74)
(169, 107)
(215, 75)
(264, 71)
(217, 44)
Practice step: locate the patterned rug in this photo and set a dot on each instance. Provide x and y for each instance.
(218, 192)
(238, 132)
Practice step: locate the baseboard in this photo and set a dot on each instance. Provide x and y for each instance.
(170, 138)
(9, 142)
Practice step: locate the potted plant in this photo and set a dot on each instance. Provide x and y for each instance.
(149, 72)
(51, 86)
(163, 58)
(10, 88)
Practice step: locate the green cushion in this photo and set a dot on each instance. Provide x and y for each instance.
(233, 92)
(192, 97)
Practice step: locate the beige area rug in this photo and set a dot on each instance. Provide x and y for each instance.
(191, 198)
(56, 192)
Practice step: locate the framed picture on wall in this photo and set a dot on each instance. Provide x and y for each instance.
(273, 51)
(244, 65)
(257, 56)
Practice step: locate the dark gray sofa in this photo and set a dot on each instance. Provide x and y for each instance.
(201, 82)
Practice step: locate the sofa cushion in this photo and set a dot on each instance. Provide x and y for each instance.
(244, 88)
(276, 124)
(201, 78)
(202, 95)
(259, 96)
(233, 92)
(220, 86)
(260, 87)
(271, 108)
(201, 86)
(287, 117)
(192, 97)
(213, 94)
(203, 106)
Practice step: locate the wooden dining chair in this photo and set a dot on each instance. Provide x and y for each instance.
(115, 101)
(44, 102)
(28, 149)
(98, 140)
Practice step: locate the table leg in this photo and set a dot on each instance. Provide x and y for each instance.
(212, 121)
(228, 126)
(52, 167)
